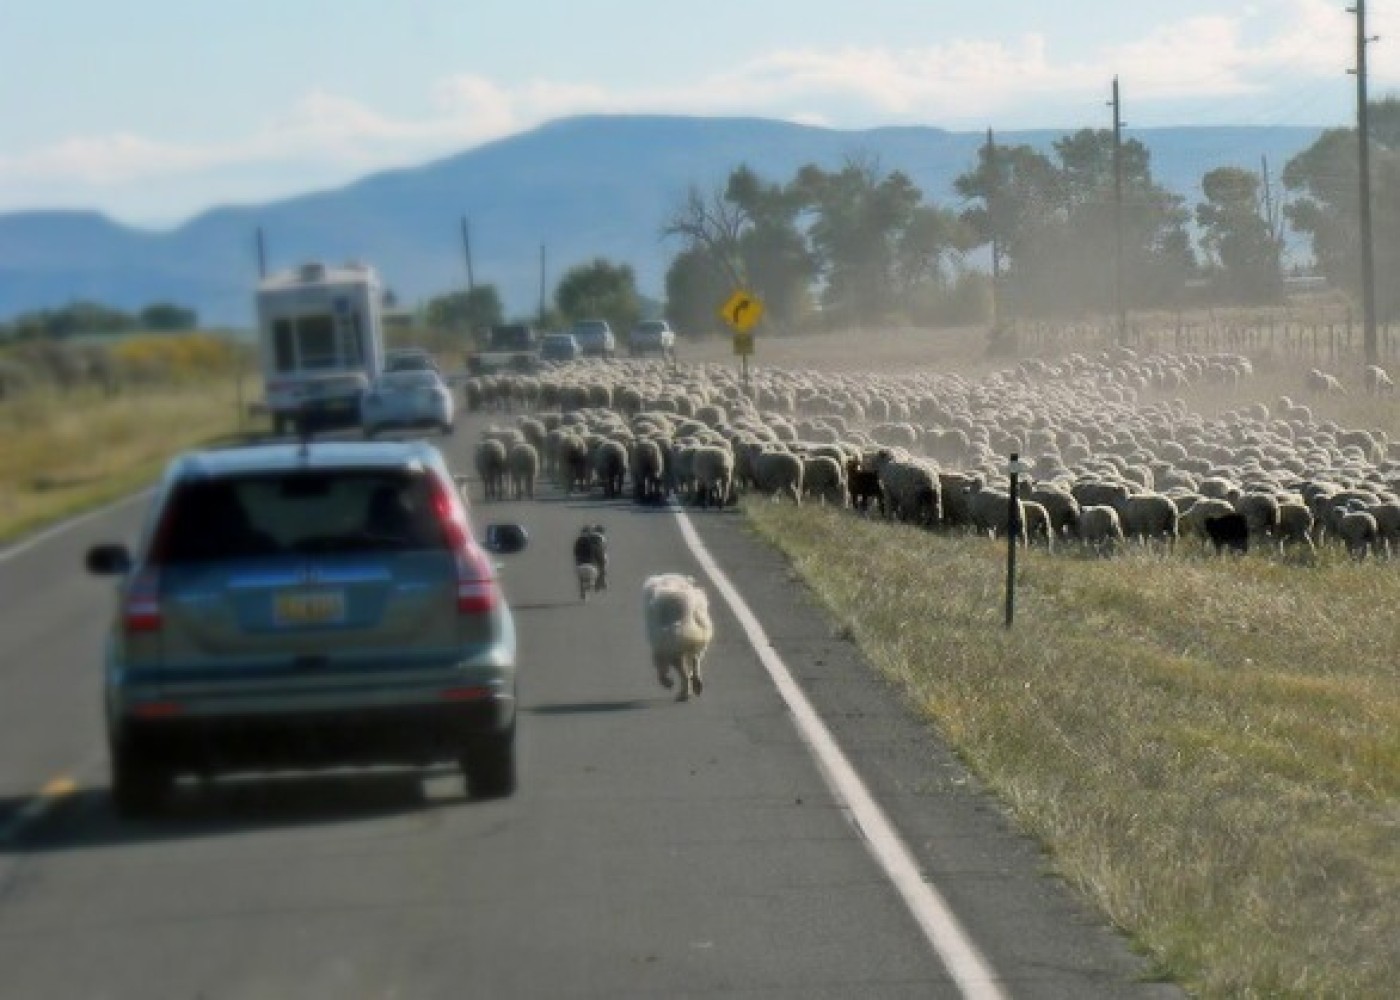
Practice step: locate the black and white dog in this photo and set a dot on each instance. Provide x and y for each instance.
(591, 560)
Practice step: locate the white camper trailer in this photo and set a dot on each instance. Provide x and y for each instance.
(321, 341)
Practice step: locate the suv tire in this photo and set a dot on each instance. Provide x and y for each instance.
(139, 787)
(489, 765)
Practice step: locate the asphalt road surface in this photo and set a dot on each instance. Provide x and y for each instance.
(654, 849)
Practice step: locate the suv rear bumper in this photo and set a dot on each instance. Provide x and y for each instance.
(416, 735)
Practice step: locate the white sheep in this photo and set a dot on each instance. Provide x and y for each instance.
(778, 472)
(1100, 528)
(679, 629)
(523, 461)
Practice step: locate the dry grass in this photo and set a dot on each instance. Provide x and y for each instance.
(1209, 749)
(61, 453)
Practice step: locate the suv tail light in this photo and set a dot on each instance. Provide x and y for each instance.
(141, 610)
(477, 592)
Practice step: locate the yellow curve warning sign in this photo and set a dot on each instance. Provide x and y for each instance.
(742, 311)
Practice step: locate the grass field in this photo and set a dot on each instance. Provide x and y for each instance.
(64, 452)
(1208, 749)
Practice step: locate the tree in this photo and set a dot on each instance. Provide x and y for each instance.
(1326, 205)
(165, 317)
(1055, 222)
(860, 216)
(466, 312)
(1237, 237)
(748, 234)
(695, 290)
(600, 290)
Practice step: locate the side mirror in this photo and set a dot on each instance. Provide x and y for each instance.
(108, 560)
(506, 539)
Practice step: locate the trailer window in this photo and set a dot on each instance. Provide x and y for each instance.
(283, 345)
(354, 340)
(316, 338)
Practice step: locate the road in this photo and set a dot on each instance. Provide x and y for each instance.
(653, 849)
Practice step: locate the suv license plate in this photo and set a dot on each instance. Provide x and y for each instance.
(310, 607)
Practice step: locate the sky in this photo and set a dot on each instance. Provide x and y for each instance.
(152, 110)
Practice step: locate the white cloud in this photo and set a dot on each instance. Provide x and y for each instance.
(1245, 55)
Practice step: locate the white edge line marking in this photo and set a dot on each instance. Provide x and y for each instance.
(57, 529)
(960, 956)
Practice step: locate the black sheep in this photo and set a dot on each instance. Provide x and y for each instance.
(1229, 531)
(863, 487)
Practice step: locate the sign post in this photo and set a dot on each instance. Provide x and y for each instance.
(741, 312)
(1014, 529)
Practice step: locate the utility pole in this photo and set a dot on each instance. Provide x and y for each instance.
(1119, 307)
(542, 276)
(262, 255)
(467, 250)
(1271, 219)
(1363, 135)
(993, 182)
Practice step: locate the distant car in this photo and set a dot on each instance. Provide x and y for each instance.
(409, 359)
(560, 347)
(308, 606)
(653, 336)
(407, 399)
(595, 338)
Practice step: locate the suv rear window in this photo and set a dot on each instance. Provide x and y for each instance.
(299, 513)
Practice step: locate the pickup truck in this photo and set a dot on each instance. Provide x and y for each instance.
(509, 347)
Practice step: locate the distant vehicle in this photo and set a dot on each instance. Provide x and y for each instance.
(407, 398)
(321, 342)
(512, 346)
(409, 359)
(305, 607)
(560, 347)
(652, 336)
(595, 338)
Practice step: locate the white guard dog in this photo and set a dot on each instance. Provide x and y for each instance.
(679, 629)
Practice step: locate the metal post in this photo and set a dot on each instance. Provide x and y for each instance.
(262, 255)
(993, 183)
(1363, 132)
(1119, 306)
(467, 250)
(542, 282)
(1013, 531)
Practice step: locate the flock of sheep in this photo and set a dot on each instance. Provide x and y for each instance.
(1112, 458)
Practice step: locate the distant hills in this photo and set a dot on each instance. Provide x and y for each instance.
(584, 187)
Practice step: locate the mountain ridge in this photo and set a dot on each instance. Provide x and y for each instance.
(585, 186)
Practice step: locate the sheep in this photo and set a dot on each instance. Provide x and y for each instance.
(823, 477)
(1377, 380)
(610, 465)
(778, 472)
(1324, 384)
(1148, 516)
(1060, 506)
(713, 467)
(1295, 525)
(1359, 532)
(1037, 524)
(648, 472)
(863, 486)
(679, 630)
(491, 467)
(523, 461)
(991, 511)
(911, 488)
(573, 463)
(1100, 528)
(1193, 520)
(1228, 531)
